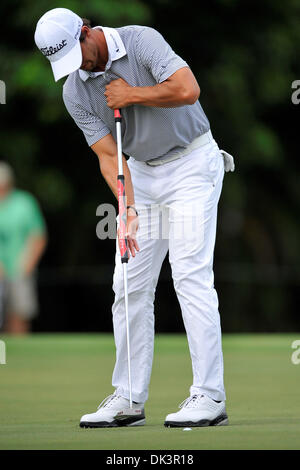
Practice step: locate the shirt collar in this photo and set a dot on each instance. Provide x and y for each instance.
(116, 50)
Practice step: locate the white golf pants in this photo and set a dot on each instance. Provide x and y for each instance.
(177, 204)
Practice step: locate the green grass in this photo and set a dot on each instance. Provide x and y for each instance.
(49, 381)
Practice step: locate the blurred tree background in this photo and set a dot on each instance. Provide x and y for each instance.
(245, 55)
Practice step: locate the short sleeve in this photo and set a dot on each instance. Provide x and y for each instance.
(92, 126)
(154, 53)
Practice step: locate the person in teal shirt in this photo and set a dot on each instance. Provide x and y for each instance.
(23, 240)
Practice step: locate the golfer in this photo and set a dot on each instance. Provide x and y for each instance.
(174, 173)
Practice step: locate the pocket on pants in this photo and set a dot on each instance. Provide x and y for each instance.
(214, 163)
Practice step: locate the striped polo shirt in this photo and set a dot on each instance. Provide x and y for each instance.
(140, 56)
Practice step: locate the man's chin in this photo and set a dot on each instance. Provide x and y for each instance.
(88, 68)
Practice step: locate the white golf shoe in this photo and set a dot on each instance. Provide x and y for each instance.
(113, 412)
(198, 410)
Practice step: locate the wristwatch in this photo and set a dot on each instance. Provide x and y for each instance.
(132, 207)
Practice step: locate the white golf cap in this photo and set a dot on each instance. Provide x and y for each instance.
(57, 36)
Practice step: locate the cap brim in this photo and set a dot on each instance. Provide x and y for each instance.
(67, 64)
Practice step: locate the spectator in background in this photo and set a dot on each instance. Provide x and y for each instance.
(22, 243)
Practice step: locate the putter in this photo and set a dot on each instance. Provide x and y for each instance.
(122, 235)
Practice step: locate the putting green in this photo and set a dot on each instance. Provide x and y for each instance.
(50, 380)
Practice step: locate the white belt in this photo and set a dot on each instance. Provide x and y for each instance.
(198, 142)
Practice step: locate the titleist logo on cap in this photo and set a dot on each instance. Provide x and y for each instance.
(47, 51)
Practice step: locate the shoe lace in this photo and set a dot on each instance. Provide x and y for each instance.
(108, 401)
(190, 402)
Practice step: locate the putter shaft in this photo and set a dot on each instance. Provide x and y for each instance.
(124, 256)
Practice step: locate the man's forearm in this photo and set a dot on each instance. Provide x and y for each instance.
(162, 95)
(179, 89)
(106, 151)
(35, 247)
(109, 170)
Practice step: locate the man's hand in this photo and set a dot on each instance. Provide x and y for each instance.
(117, 94)
(131, 230)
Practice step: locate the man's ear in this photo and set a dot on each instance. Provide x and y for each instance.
(85, 31)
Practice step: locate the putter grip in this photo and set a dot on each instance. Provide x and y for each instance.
(123, 244)
(117, 115)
